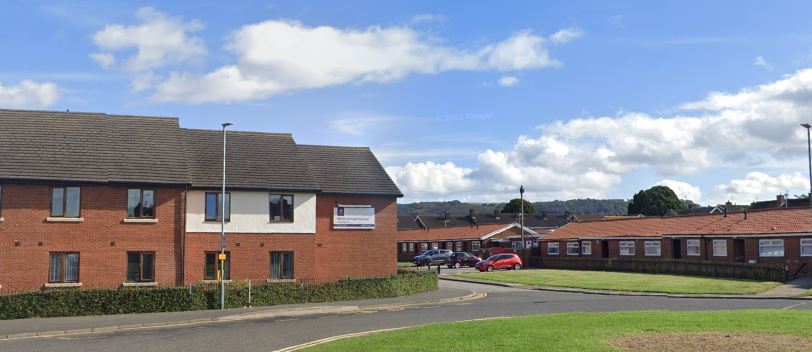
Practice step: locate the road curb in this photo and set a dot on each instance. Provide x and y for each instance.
(627, 294)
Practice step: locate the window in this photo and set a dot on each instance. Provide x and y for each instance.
(474, 245)
(424, 247)
(626, 247)
(65, 202)
(213, 266)
(516, 244)
(64, 267)
(572, 248)
(652, 248)
(806, 247)
(458, 246)
(435, 245)
(140, 266)
(449, 245)
(720, 248)
(770, 248)
(140, 203)
(692, 247)
(411, 247)
(213, 201)
(281, 265)
(552, 248)
(586, 248)
(281, 207)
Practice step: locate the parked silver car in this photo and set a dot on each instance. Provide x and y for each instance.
(433, 257)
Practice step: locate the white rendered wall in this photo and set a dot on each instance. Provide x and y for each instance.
(250, 214)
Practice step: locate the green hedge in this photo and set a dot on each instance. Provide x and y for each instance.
(63, 303)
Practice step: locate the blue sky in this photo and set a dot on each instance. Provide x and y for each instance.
(458, 100)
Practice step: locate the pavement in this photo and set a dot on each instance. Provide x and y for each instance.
(794, 288)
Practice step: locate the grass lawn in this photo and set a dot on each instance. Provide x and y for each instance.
(605, 280)
(584, 331)
(405, 265)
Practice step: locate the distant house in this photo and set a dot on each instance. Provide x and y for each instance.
(781, 201)
(717, 209)
(476, 239)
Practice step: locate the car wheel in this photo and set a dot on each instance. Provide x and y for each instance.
(456, 265)
(490, 267)
(517, 266)
(450, 266)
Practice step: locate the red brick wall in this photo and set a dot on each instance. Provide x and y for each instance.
(102, 239)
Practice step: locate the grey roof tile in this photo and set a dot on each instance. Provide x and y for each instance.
(351, 170)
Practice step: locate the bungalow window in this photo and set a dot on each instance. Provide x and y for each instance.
(281, 208)
(435, 245)
(403, 247)
(213, 266)
(281, 265)
(692, 248)
(586, 248)
(806, 247)
(140, 266)
(449, 245)
(213, 202)
(572, 248)
(458, 246)
(626, 247)
(474, 245)
(411, 247)
(140, 203)
(552, 248)
(424, 247)
(64, 267)
(652, 248)
(720, 248)
(771, 248)
(65, 202)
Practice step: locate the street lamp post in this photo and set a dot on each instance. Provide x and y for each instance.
(809, 149)
(521, 198)
(222, 256)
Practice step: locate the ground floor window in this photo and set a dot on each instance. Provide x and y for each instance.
(586, 248)
(281, 265)
(552, 248)
(458, 246)
(213, 266)
(140, 266)
(516, 244)
(771, 248)
(449, 245)
(435, 245)
(626, 247)
(720, 248)
(411, 247)
(572, 248)
(474, 245)
(403, 247)
(64, 267)
(692, 247)
(424, 247)
(652, 248)
(806, 247)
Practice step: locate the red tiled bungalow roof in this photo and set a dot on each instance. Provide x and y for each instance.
(455, 233)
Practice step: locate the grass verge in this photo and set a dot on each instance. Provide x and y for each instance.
(615, 281)
(573, 331)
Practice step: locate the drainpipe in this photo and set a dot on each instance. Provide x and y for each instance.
(183, 236)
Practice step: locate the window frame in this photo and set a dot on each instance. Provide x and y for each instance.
(625, 245)
(227, 265)
(282, 218)
(576, 247)
(424, 247)
(403, 247)
(411, 247)
(586, 247)
(475, 244)
(218, 210)
(714, 246)
(458, 246)
(140, 266)
(63, 272)
(761, 245)
(65, 202)
(801, 245)
(693, 242)
(650, 244)
(141, 202)
(551, 245)
(282, 269)
(435, 245)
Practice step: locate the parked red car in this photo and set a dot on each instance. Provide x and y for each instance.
(459, 259)
(500, 261)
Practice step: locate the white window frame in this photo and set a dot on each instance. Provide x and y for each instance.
(424, 246)
(449, 245)
(553, 245)
(770, 242)
(516, 244)
(458, 246)
(653, 245)
(573, 248)
(806, 242)
(435, 245)
(411, 247)
(586, 247)
(693, 243)
(403, 247)
(718, 245)
(626, 245)
(475, 245)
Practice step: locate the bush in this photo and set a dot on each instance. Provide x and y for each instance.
(63, 303)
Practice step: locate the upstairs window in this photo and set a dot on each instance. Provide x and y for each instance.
(213, 202)
(65, 202)
(140, 203)
(281, 208)
(64, 267)
(140, 266)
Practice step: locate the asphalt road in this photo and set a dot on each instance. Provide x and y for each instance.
(275, 333)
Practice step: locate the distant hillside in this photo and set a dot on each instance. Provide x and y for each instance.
(576, 206)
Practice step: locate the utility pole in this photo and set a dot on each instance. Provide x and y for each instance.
(222, 256)
(521, 198)
(809, 149)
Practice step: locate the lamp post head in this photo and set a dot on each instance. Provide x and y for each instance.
(521, 189)
(806, 125)
(227, 124)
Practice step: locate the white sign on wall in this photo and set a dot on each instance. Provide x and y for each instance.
(354, 217)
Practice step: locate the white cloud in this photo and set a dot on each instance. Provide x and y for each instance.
(684, 190)
(279, 56)
(29, 94)
(761, 186)
(359, 124)
(567, 35)
(157, 39)
(759, 61)
(427, 18)
(429, 179)
(507, 81)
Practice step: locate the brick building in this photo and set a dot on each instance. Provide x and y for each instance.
(475, 239)
(98, 200)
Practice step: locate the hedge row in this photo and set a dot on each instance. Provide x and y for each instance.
(65, 303)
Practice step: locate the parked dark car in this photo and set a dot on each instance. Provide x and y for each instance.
(500, 261)
(459, 259)
(433, 257)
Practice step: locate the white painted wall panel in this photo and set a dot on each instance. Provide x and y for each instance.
(249, 214)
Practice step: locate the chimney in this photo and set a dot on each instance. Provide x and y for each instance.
(728, 203)
(472, 213)
(782, 200)
(745, 214)
(725, 209)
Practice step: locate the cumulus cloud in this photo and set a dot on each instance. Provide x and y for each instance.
(157, 40)
(28, 94)
(429, 179)
(588, 157)
(508, 81)
(277, 56)
(566, 35)
(759, 61)
(684, 190)
(758, 185)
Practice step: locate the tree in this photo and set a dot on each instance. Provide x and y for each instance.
(515, 205)
(655, 201)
